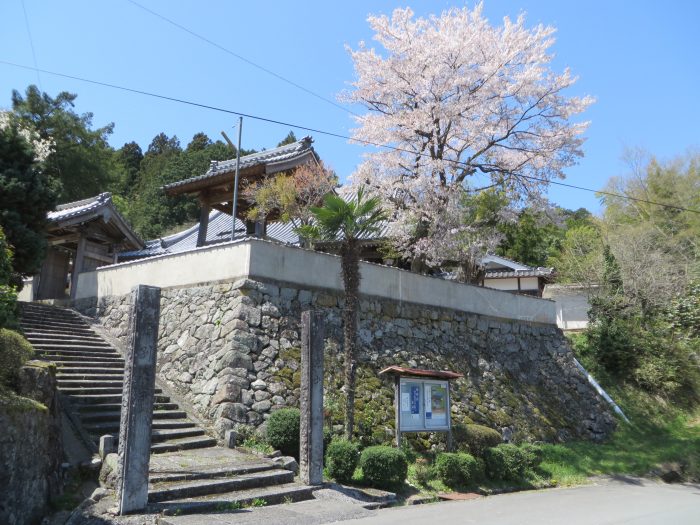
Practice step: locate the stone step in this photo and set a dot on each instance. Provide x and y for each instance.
(91, 367)
(42, 318)
(162, 436)
(113, 416)
(112, 426)
(99, 399)
(56, 331)
(73, 362)
(225, 471)
(31, 323)
(112, 381)
(78, 353)
(204, 487)
(68, 344)
(167, 435)
(117, 406)
(35, 335)
(95, 389)
(116, 375)
(218, 503)
(67, 340)
(57, 347)
(183, 444)
(90, 390)
(31, 310)
(43, 307)
(52, 321)
(79, 356)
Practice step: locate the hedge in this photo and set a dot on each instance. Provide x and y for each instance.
(283, 431)
(341, 460)
(383, 467)
(458, 469)
(475, 438)
(506, 462)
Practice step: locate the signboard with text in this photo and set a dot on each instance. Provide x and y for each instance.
(424, 405)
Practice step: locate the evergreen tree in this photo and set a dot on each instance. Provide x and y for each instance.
(129, 158)
(199, 142)
(26, 195)
(81, 159)
(289, 139)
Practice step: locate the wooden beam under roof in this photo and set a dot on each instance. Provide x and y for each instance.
(62, 239)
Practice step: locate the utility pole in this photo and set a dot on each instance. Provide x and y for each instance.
(235, 181)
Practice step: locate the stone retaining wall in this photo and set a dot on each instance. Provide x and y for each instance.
(31, 448)
(232, 351)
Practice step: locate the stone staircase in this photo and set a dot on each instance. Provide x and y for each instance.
(90, 374)
(189, 472)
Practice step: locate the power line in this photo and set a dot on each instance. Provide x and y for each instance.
(240, 57)
(31, 43)
(328, 133)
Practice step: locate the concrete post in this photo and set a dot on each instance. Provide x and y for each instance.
(311, 402)
(137, 400)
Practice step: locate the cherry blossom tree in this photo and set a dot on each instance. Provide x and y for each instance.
(462, 102)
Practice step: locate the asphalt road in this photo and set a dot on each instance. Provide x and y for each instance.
(614, 502)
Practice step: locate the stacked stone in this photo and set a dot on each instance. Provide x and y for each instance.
(231, 350)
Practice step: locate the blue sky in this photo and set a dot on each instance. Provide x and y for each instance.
(639, 59)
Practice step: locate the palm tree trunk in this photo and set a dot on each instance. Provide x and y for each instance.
(351, 282)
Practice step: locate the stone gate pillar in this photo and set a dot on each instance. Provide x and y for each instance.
(137, 400)
(311, 402)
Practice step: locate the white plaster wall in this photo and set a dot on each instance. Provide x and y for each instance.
(304, 268)
(572, 305)
(223, 262)
(526, 283)
(27, 292)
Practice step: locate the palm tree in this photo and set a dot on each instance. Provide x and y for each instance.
(347, 223)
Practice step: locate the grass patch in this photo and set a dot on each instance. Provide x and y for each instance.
(658, 433)
(256, 445)
(10, 403)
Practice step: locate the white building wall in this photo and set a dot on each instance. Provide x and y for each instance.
(572, 304)
(511, 283)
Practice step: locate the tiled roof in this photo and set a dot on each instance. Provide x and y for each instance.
(77, 208)
(219, 230)
(100, 206)
(534, 272)
(294, 151)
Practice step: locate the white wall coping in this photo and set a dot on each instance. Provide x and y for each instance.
(265, 260)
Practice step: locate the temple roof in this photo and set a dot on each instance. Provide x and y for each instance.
(218, 231)
(73, 214)
(267, 162)
(498, 267)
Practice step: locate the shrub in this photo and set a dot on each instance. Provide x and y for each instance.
(15, 350)
(475, 438)
(533, 454)
(283, 431)
(458, 469)
(341, 460)
(506, 462)
(383, 467)
(8, 307)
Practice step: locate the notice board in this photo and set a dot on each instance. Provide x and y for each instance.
(424, 405)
